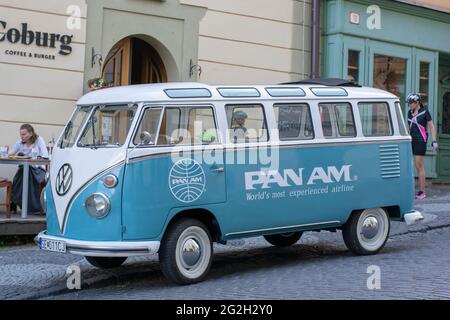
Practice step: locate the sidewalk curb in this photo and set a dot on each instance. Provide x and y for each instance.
(47, 292)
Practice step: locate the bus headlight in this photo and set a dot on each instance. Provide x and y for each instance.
(44, 201)
(98, 205)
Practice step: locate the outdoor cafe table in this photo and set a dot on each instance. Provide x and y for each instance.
(26, 169)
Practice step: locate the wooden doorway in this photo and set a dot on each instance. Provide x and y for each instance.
(117, 62)
(133, 61)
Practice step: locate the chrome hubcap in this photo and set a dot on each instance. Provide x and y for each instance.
(191, 252)
(370, 227)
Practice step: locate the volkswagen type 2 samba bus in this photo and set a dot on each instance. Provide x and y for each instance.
(172, 168)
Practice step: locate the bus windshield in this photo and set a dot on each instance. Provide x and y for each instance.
(107, 126)
(73, 127)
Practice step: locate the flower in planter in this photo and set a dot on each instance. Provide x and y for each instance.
(99, 83)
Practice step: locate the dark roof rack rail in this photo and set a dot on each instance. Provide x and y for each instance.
(335, 82)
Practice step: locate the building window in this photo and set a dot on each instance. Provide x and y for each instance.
(112, 71)
(424, 83)
(353, 66)
(389, 73)
(446, 113)
(375, 119)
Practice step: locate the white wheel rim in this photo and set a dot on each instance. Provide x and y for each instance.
(193, 252)
(373, 229)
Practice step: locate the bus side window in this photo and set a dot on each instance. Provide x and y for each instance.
(246, 123)
(337, 120)
(148, 128)
(169, 132)
(293, 121)
(400, 119)
(375, 119)
(181, 126)
(202, 126)
(325, 119)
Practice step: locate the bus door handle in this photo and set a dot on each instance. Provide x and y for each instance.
(217, 169)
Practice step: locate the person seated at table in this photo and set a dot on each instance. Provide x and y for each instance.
(29, 141)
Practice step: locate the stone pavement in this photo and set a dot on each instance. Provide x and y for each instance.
(414, 265)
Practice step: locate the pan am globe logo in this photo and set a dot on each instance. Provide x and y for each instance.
(187, 180)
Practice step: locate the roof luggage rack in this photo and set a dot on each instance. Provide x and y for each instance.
(335, 82)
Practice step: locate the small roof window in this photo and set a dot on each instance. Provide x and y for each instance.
(239, 92)
(188, 93)
(329, 92)
(285, 92)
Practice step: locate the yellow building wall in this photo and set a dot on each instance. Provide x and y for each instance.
(33, 90)
(254, 41)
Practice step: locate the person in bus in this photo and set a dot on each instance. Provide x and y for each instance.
(419, 119)
(238, 126)
(29, 145)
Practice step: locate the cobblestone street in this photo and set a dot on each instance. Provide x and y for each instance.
(414, 265)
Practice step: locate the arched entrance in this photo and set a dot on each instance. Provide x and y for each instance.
(133, 61)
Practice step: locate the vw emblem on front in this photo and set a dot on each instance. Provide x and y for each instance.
(64, 180)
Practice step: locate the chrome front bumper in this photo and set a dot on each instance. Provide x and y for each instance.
(104, 248)
(412, 217)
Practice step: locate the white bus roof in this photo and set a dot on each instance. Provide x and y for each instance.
(195, 91)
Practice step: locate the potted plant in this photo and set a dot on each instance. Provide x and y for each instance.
(99, 83)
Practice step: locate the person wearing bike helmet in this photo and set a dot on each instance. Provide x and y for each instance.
(419, 119)
(238, 126)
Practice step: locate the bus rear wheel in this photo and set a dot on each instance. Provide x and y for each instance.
(186, 252)
(284, 239)
(106, 262)
(366, 232)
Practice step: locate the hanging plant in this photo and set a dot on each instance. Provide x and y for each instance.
(99, 83)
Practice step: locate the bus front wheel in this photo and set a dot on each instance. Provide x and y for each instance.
(106, 262)
(284, 239)
(186, 252)
(366, 232)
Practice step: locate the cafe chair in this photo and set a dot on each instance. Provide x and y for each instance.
(5, 183)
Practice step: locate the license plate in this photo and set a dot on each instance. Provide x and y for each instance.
(52, 245)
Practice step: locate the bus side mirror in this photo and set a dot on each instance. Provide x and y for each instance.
(146, 138)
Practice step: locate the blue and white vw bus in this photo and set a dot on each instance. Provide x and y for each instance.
(171, 168)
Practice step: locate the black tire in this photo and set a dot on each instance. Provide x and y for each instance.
(355, 238)
(106, 262)
(186, 252)
(284, 239)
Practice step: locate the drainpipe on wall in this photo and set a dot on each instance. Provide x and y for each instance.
(315, 40)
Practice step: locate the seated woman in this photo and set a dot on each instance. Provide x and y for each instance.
(28, 141)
